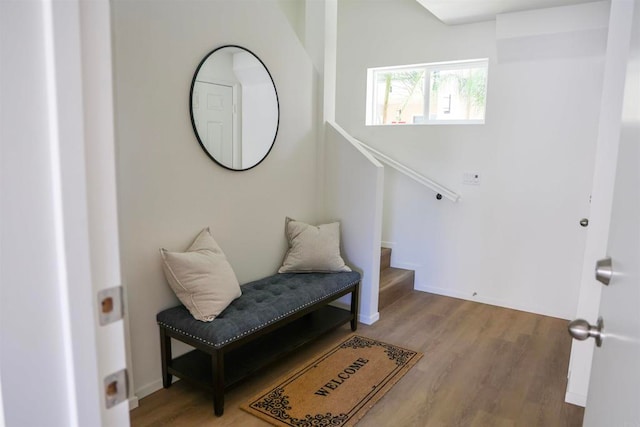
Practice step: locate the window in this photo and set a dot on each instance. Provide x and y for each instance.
(444, 92)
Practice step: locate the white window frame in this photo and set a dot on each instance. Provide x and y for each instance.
(429, 68)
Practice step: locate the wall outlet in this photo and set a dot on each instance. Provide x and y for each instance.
(471, 178)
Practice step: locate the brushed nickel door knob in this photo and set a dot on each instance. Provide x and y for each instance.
(580, 329)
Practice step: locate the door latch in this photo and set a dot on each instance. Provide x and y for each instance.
(116, 388)
(110, 305)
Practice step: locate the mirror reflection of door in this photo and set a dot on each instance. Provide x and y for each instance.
(213, 109)
(234, 107)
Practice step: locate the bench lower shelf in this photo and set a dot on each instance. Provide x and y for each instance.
(239, 363)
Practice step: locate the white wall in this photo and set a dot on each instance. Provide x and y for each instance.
(220, 70)
(353, 195)
(257, 121)
(294, 10)
(259, 108)
(168, 189)
(514, 240)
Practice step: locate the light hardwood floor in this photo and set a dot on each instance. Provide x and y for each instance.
(482, 366)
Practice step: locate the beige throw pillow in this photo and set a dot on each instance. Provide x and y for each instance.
(312, 248)
(201, 277)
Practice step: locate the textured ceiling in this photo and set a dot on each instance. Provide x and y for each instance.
(468, 11)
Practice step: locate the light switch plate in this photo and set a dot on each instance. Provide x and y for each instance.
(471, 178)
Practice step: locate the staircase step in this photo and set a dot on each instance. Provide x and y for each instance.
(385, 258)
(394, 283)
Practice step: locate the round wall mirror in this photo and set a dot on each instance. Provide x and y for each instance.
(234, 107)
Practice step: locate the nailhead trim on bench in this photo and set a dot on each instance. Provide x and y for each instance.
(180, 331)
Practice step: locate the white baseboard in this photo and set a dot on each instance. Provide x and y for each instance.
(148, 389)
(388, 245)
(575, 399)
(488, 300)
(133, 403)
(406, 266)
(369, 320)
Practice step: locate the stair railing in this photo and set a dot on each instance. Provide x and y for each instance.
(439, 189)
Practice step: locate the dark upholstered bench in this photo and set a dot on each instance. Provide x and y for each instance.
(273, 316)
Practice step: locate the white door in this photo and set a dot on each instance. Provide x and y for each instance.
(213, 114)
(614, 388)
(59, 217)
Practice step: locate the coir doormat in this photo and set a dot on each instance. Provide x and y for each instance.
(336, 389)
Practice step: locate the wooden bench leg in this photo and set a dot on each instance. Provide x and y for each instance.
(354, 307)
(165, 356)
(217, 371)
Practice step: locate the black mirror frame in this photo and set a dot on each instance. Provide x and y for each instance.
(193, 123)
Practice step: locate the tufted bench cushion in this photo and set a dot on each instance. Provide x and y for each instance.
(262, 303)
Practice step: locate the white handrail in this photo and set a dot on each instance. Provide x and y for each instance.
(356, 144)
(427, 182)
